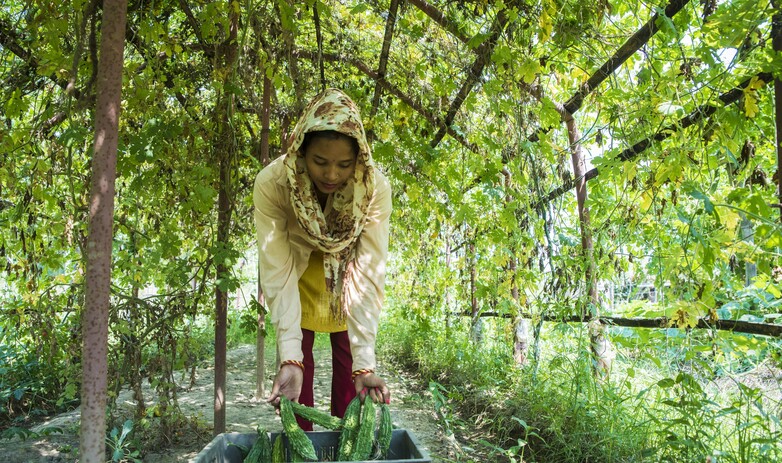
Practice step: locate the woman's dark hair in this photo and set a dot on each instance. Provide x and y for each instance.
(329, 135)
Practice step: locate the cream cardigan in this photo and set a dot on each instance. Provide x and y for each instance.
(284, 255)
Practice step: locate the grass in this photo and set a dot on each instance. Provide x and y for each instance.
(664, 401)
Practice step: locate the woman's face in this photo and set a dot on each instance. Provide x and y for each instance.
(330, 163)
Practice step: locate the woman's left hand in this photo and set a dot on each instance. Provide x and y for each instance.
(373, 385)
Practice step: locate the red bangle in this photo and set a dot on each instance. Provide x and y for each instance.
(363, 371)
(292, 362)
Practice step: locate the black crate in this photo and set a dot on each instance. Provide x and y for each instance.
(225, 447)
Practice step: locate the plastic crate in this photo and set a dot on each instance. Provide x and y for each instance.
(225, 448)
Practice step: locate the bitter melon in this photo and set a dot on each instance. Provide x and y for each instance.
(261, 451)
(317, 417)
(278, 451)
(385, 431)
(300, 443)
(366, 432)
(350, 423)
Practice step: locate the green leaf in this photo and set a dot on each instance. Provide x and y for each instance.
(549, 116)
(664, 23)
(693, 191)
(666, 383)
(478, 39)
(359, 8)
(528, 70)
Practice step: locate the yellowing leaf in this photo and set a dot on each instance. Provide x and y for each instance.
(707, 296)
(755, 83)
(732, 145)
(774, 291)
(750, 97)
(413, 192)
(683, 318)
(730, 218)
(750, 105)
(630, 170)
(546, 22)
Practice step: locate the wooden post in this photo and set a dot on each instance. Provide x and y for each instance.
(601, 346)
(776, 33)
(95, 321)
(224, 148)
(260, 337)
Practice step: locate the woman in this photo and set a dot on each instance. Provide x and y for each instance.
(322, 213)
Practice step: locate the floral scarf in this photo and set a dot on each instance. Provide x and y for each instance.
(336, 234)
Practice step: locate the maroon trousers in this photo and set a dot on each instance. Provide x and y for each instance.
(342, 389)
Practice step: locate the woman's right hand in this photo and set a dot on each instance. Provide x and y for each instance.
(287, 383)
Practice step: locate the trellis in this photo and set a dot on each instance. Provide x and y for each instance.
(572, 105)
(444, 121)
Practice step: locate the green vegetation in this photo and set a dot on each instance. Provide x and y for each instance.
(672, 396)
(485, 116)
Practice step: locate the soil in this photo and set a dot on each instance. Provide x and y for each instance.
(411, 409)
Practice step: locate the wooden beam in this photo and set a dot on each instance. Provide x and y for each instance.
(475, 73)
(441, 19)
(10, 40)
(736, 326)
(319, 38)
(387, 86)
(700, 113)
(383, 62)
(633, 44)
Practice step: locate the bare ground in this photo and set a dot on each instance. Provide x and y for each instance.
(411, 409)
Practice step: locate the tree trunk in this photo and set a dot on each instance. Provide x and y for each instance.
(776, 32)
(99, 242)
(544, 252)
(289, 39)
(224, 149)
(132, 342)
(260, 348)
(601, 346)
(383, 61)
(133, 354)
(221, 296)
(521, 325)
(748, 236)
(449, 316)
(476, 327)
(260, 337)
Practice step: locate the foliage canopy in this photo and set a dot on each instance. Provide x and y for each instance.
(465, 116)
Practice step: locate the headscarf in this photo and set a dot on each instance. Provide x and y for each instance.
(336, 234)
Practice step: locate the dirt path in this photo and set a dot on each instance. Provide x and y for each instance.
(411, 409)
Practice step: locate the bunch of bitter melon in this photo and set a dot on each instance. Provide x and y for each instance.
(357, 439)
